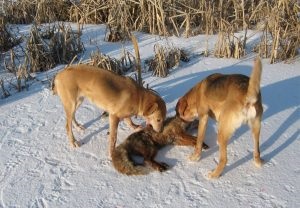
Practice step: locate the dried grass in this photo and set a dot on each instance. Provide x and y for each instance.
(171, 17)
(165, 58)
(119, 66)
(20, 72)
(228, 45)
(40, 11)
(7, 39)
(38, 52)
(89, 11)
(280, 39)
(4, 92)
(57, 44)
(65, 43)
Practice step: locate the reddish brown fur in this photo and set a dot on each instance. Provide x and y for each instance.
(146, 143)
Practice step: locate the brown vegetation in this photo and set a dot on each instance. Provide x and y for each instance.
(165, 58)
(104, 61)
(278, 21)
(278, 18)
(55, 44)
(281, 29)
(7, 39)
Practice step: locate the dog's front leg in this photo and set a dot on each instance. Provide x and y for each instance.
(134, 126)
(200, 138)
(113, 128)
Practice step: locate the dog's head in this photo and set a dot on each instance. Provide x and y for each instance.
(186, 109)
(155, 114)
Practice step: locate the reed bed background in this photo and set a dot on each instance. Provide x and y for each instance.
(277, 20)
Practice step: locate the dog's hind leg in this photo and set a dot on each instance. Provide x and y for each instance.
(78, 126)
(228, 122)
(255, 128)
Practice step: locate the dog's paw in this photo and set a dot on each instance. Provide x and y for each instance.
(75, 144)
(138, 128)
(212, 175)
(205, 146)
(194, 157)
(163, 167)
(258, 163)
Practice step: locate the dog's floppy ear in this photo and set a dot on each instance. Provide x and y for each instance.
(150, 108)
(181, 106)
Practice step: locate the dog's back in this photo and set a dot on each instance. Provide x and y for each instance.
(221, 91)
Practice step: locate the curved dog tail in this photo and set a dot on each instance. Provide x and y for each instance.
(123, 164)
(254, 82)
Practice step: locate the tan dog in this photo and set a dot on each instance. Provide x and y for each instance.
(120, 96)
(146, 143)
(231, 100)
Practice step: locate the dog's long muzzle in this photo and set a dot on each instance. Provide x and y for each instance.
(156, 128)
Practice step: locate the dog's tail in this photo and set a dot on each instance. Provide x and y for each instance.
(254, 82)
(122, 162)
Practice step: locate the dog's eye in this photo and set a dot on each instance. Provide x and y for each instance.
(158, 120)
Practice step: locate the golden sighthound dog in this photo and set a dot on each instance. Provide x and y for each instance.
(147, 142)
(120, 96)
(229, 99)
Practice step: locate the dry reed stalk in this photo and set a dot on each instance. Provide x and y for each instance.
(104, 61)
(5, 92)
(41, 11)
(52, 10)
(165, 58)
(158, 65)
(121, 20)
(170, 17)
(57, 44)
(20, 12)
(89, 11)
(20, 72)
(7, 39)
(38, 52)
(65, 43)
(281, 29)
(138, 60)
(228, 45)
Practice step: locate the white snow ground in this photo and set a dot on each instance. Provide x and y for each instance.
(38, 168)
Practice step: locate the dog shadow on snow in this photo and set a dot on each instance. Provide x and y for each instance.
(276, 98)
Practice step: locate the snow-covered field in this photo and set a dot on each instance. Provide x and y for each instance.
(38, 168)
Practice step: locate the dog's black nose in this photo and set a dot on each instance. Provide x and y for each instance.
(149, 126)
